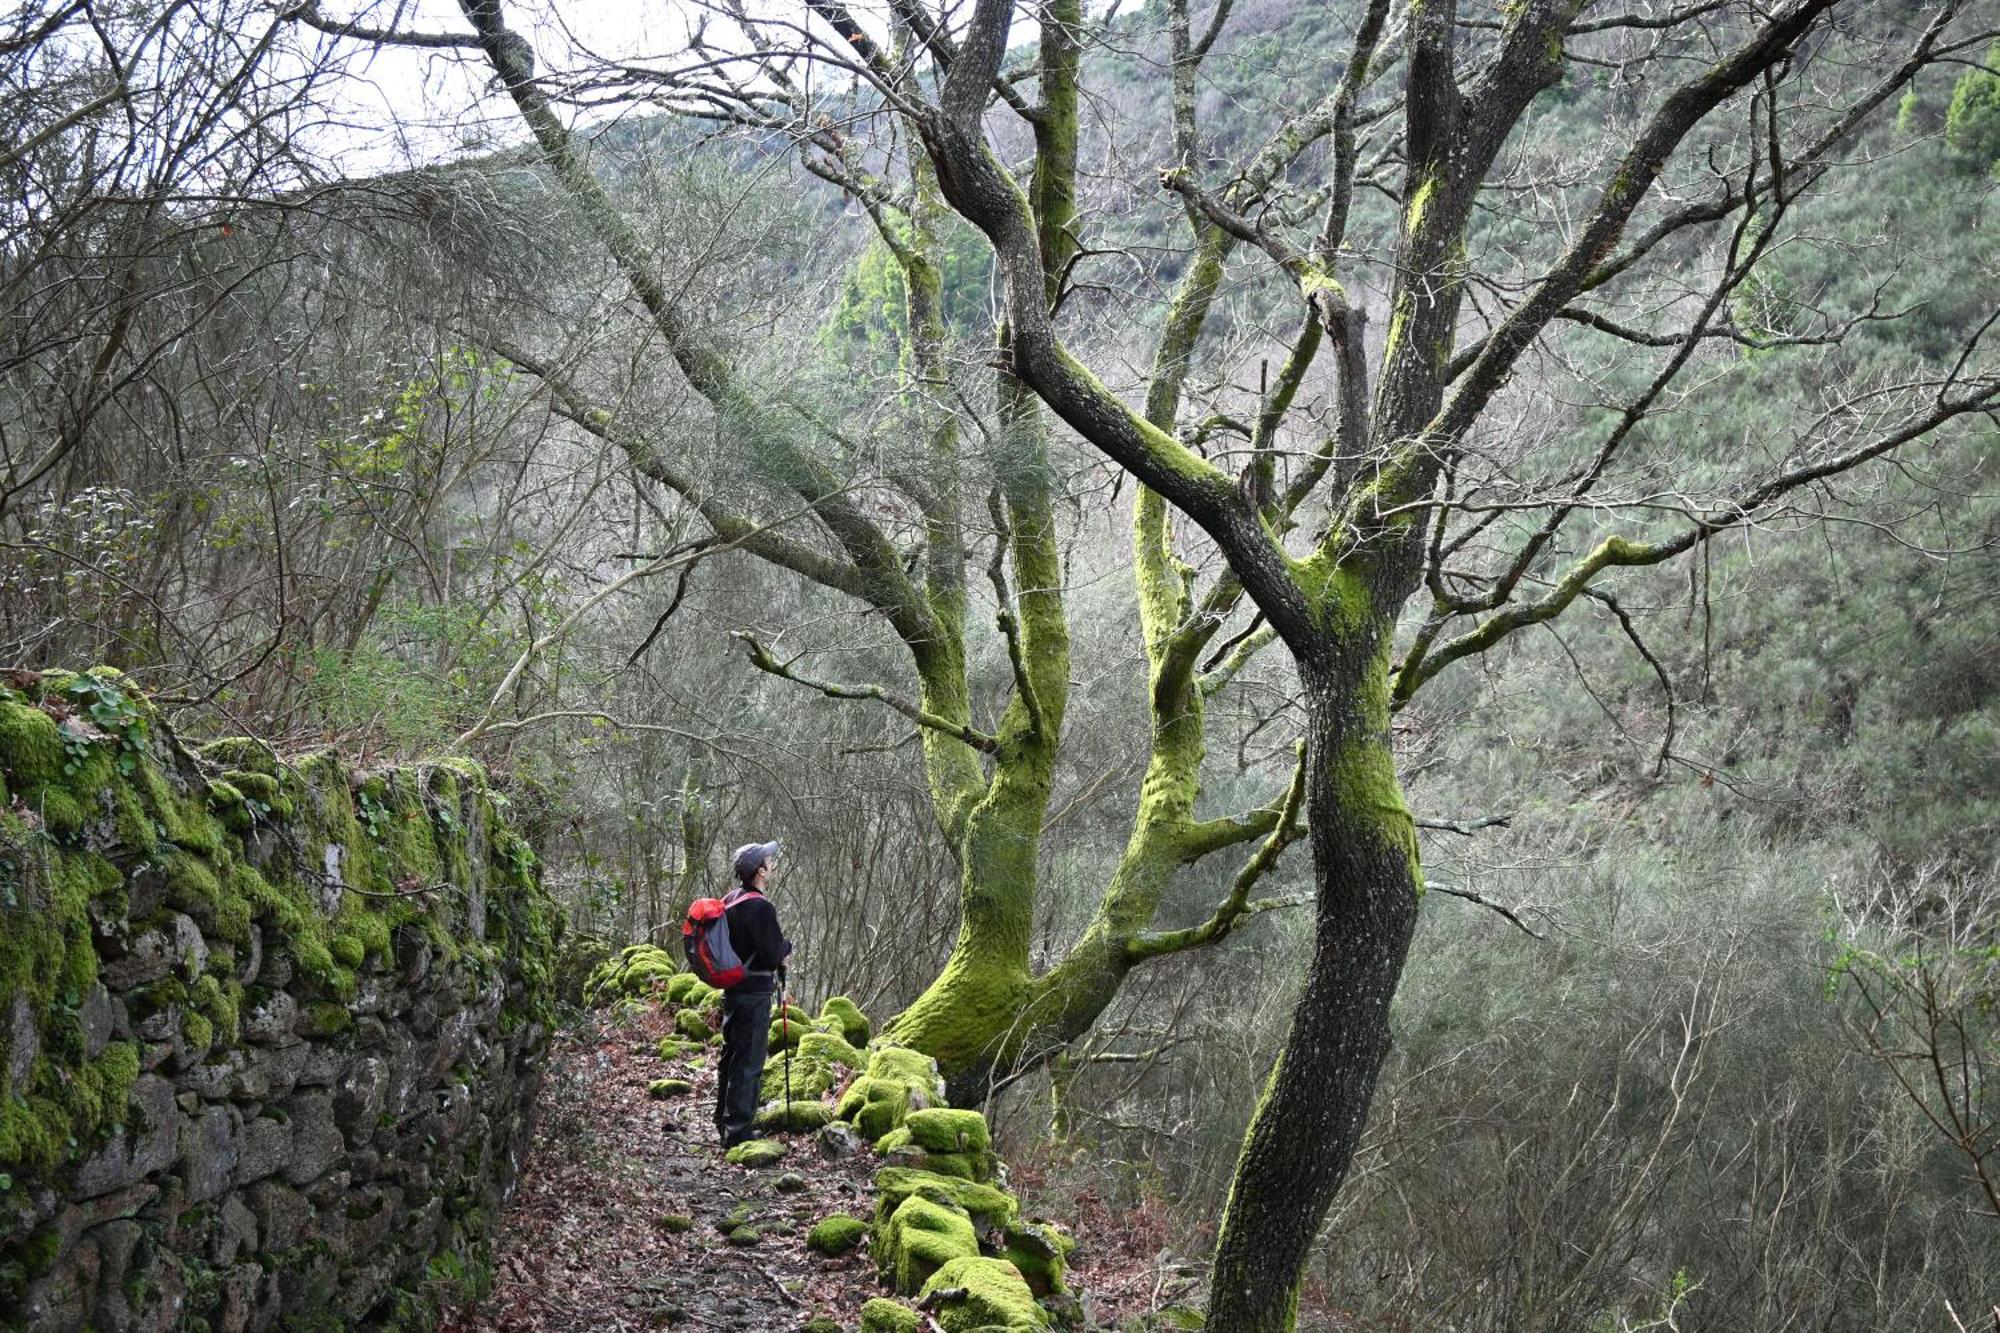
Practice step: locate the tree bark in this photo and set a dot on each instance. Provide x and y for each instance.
(1309, 1120)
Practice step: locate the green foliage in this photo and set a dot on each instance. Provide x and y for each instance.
(1972, 122)
(872, 312)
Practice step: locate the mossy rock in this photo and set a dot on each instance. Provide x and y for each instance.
(794, 1117)
(669, 1087)
(690, 990)
(679, 1048)
(984, 1294)
(897, 1081)
(638, 972)
(836, 1235)
(691, 1025)
(942, 1129)
(989, 1208)
(243, 752)
(745, 1236)
(817, 1066)
(757, 1152)
(821, 1325)
(791, 1183)
(1168, 1319)
(576, 961)
(842, 1015)
(979, 1167)
(675, 1223)
(789, 1027)
(741, 1214)
(920, 1237)
(1041, 1252)
(881, 1315)
(906, 1146)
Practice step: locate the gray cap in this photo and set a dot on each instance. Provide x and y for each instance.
(751, 856)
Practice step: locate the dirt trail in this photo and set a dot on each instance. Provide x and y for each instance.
(614, 1224)
(587, 1242)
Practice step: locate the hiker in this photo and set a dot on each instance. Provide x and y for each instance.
(746, 1006)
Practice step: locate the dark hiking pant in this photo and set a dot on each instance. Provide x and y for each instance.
(746, 1038)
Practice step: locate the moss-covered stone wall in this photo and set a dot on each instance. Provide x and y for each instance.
(270, 1028)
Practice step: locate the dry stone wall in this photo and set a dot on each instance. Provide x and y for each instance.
(270, 1030)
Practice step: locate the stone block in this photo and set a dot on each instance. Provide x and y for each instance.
(269, 1022)
(235, 1232)
(216, 1078)
(241, 1307)
(144, 1144)
(359, 1096)
(24, 1040)
(267, 1145)
(316, 1141)
(210, 1143)
(115, 1242)
(148, 957)
(282, 1214)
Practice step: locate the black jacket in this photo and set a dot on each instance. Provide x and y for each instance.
(753, 929)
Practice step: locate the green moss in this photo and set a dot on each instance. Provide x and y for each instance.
(757, 1152)
(794, 1117)
(881, 1315)
(941, 1129)
(642, 971)
(669, 1087)
(64, 1114)
(987, 1206)
(791, 1024)
(40, 1251)
(680, 984)
(843, 1015)
(920, 1237)
(347, 951)
(990, 1295)
(221, 1002)
(959, 1165)
(898, 1080)
(816, 1066)
(745, 1236)
(326, 1019)
(59, 785)
(836, 1235)
(1041, 1253)
(242, 752)
(690, 1025)
(675, 1223)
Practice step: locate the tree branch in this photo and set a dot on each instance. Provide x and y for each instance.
(762, 658)
(1284, 829)
(1449, 890)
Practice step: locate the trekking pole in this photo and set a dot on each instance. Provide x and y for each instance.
(785, 1034)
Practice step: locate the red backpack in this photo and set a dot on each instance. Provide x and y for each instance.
(705, 936)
